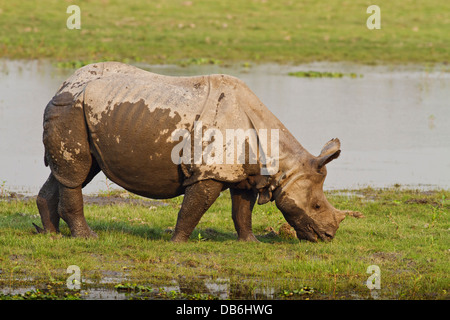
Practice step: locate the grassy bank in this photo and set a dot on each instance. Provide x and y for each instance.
(180, 31)
(404, 232)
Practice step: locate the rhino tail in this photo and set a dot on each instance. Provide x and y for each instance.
(38, 229)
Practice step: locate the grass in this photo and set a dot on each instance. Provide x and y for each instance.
(184, 32)
(405, 233)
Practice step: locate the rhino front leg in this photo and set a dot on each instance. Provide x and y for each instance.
(242, 206)
(197, 200)
(70, 209)
(47, 203)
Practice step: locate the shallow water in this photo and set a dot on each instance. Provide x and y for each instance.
(221, 289)
(393, 123)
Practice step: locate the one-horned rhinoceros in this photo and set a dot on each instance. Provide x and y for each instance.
(160, 136)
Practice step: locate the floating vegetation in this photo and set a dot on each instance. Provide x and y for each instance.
(72, 64)
(319, 74)
(199, 61)
(297, 292)
(137, 292)
(175, 295)
(42, 295)
(128, 287)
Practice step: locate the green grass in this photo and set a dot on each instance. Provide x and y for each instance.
(180, 31)
(405, 233)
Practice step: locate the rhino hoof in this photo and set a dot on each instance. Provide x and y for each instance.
(249, 238)
(86, 235)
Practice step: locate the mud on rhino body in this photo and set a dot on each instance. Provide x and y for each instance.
(119, 119)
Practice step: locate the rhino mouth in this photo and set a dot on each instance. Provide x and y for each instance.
(305, 227)
(313, 234)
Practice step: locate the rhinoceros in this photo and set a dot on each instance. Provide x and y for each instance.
(138, 127)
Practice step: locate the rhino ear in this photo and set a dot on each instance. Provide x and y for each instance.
(262, 185)
(330, 151)
(265, 195)
(259, 181)
(330, 147)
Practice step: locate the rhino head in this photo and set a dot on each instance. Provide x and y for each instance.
(301, 199)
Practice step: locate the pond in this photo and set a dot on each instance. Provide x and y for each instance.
(393, 122)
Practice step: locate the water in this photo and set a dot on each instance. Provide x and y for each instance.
(393, 123)
(221, 288)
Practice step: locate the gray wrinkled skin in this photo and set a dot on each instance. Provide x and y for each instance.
(119, 119)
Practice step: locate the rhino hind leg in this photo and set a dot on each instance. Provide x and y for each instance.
(47, 203)
(67, 152)
(70, 208)
(198, 198)
(242, 206)
(56, 201)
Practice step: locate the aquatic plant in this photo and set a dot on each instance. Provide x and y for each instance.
(319, 74)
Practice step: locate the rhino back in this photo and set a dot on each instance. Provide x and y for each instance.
(131, 120)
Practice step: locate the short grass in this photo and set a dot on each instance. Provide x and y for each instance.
(201, 31)
(405, 233)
